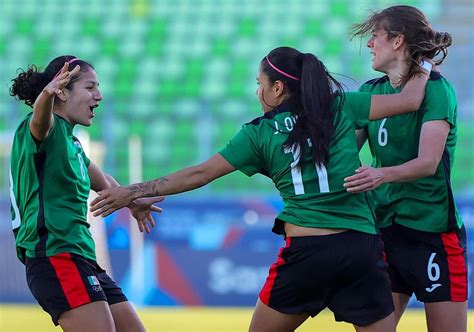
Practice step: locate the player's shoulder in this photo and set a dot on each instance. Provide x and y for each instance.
(24, 123)
(438, 84)
(437, 79)
(377, 81)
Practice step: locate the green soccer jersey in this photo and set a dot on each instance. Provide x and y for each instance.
(426, 204)
(313, 196)
(49, 189)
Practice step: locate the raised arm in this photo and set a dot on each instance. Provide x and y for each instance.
(42, 120)
(432, 143)
(408, 100)
(186, 179)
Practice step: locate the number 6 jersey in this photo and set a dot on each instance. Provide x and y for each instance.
(426, 204)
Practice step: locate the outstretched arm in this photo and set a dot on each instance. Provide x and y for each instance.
(408, 100)
(42, 120)
(190, 178)
(432, 143)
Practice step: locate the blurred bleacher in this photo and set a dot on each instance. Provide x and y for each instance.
(180, 74)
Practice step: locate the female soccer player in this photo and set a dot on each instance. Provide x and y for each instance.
(50, 182)
(424, 237)
(305, 142)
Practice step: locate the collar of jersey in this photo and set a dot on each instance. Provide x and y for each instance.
(69, 125)
(287, 106)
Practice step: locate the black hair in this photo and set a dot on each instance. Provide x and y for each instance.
(29, 84)
(314, 95)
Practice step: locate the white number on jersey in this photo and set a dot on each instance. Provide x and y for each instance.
(382, 136)
(297, 178)
(17, 220)
(82, 165)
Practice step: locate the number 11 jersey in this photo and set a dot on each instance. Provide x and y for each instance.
(313, 196)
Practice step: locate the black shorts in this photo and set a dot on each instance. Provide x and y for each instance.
(344, 272)
(431, 265)
(66, 281)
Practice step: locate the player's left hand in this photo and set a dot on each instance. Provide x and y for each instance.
(365, 179)
(141, 209)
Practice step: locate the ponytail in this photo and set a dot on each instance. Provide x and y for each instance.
(312, 91)
(316, 119)
(438, 44)
(28, 85)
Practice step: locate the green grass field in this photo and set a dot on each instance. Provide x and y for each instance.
(33, 319)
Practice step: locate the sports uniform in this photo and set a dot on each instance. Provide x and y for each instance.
(314, 272)
(423, 233)
(49, 189)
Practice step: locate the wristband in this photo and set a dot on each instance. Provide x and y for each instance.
(426, 66)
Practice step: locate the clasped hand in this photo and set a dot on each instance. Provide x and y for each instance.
(113, 199)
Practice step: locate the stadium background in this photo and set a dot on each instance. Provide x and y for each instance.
(178, 79)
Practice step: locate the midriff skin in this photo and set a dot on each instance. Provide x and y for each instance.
(294, 230)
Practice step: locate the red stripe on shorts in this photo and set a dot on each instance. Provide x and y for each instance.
(267, 288)
(457, 267)
(70, 280)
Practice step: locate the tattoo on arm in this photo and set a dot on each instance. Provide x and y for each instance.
(150, 188)
(161, 181)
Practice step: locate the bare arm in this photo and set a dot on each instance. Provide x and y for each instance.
(42, 120)
(408, 100)
(99, 179)
(184, 180)
(432, 143)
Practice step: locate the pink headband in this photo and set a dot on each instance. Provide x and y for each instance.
(72, 60)
(68, 62)
(281, 71)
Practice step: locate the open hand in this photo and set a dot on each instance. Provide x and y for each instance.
(111, 200)
(141, 209)
(365, 179)
(61, 80)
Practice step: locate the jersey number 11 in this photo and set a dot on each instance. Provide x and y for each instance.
(297, 178)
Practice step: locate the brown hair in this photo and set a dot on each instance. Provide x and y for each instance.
(422, 41)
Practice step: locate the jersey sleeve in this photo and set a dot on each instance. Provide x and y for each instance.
(242, 152)
(87, 161)
(357, 107)
(439, 102)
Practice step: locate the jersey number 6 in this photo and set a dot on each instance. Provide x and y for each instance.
(382, 136)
